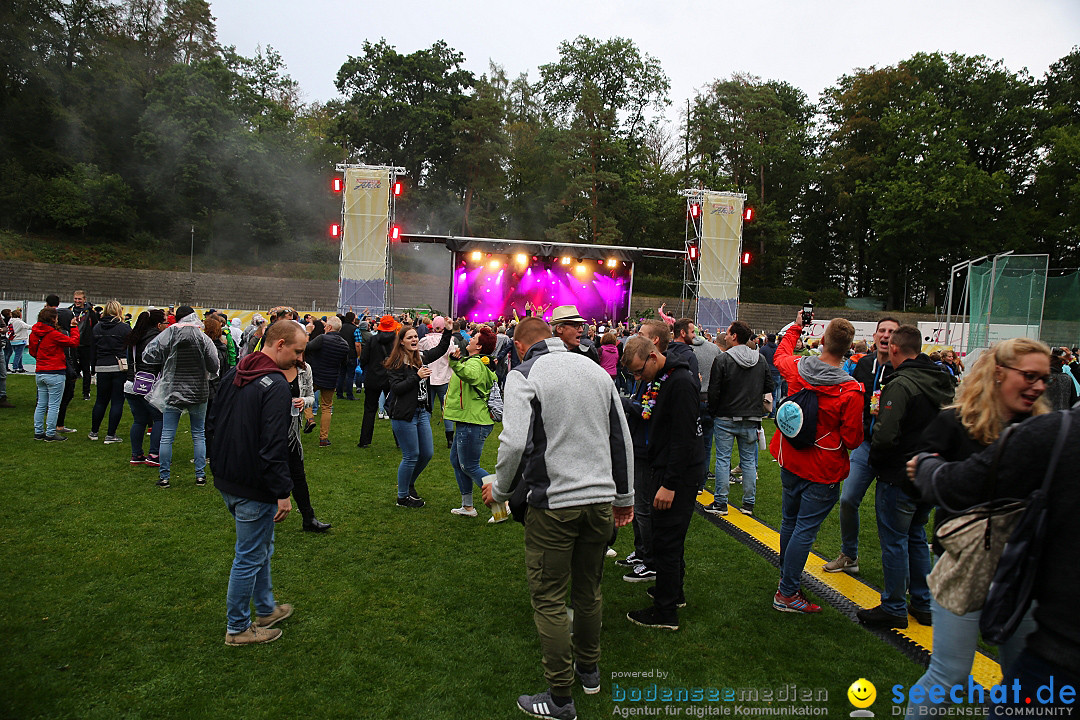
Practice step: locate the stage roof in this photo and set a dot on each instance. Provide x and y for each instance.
(544, 249)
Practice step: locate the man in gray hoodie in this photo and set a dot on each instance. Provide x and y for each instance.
(705, 352)
(738, 382)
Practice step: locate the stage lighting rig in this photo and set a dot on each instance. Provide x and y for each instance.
(335, 230)
(565, 260)
(748, 214)
(337, 184)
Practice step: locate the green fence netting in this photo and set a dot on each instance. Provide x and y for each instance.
(1006, 298)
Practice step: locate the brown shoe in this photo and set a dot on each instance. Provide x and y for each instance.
(280, 613)
(253, 636)
(4, 402)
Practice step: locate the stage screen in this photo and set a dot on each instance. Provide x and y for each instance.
(490, 285)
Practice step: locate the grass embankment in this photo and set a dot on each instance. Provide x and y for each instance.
(112, 596)
(136, 254)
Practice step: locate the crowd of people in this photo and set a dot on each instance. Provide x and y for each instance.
(653, 401)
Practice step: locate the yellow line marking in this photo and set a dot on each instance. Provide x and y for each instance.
(985, 671)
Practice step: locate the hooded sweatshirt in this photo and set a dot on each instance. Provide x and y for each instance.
(609, 359)
(110, 341)
(676, 442)
(250, 448)
(839, 424)
(47, 345)
(910, 400)
(738, 382)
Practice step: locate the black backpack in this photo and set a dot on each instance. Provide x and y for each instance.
(796, 418)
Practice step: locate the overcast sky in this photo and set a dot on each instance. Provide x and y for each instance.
(807, 43)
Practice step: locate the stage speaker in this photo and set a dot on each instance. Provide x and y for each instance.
(718, 267)
(366, 208)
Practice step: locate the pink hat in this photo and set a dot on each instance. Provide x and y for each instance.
(438, 323)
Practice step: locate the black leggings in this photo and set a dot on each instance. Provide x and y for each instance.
(110, 389)
(299, 480)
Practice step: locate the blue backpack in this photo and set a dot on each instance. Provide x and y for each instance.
(796, 418)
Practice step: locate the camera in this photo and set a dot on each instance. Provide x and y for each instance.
(808, 312)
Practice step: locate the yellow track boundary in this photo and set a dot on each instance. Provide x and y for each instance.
(984, 669)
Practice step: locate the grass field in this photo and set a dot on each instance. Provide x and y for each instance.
(112, 599)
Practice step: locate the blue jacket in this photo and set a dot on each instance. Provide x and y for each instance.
(326, 355)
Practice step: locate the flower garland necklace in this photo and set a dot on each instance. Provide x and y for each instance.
(648, 400)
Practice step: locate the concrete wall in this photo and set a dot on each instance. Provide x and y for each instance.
(33, 281)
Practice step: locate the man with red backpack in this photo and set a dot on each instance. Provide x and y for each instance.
(811, 473)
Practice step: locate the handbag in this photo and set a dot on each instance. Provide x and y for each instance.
(973, 541)
(1010, 591)
(143, 383)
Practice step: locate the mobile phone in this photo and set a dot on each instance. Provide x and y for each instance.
(808, 312)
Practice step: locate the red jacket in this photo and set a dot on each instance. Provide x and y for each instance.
(47, 346)
(840, 426)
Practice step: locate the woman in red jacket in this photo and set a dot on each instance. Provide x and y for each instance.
(47, 345)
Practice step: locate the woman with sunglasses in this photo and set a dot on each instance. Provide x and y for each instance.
(1005, 386)
(409, 406)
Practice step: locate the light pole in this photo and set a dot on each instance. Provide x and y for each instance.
(191, 258)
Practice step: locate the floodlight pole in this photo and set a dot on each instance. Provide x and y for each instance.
(191, 258)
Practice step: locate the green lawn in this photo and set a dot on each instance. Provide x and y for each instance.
(113, 596)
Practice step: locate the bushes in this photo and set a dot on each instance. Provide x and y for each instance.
(830, 297)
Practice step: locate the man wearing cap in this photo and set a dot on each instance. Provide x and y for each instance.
(375, 380)
(567, 325)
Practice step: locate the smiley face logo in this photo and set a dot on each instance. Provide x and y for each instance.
(862, 693)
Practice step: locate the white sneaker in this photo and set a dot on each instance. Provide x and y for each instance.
(464, 511)
(611, 553)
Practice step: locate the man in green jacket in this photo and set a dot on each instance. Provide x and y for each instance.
(913, 396)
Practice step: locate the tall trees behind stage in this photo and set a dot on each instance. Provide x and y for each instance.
(127, 121)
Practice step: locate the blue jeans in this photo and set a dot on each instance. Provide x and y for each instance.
(1032, 672)
(905, 556)
(779, 386)
(414, 437)
(439, 391)
(169, 422)
(110, 392)
(465, 458)
(956, 638)
(144, 415)
(250, 575)
(726, 432)
(17, 351)
(50, 388)
(805, 506)
(858, 482)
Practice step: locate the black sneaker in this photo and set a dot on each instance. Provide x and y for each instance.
(879, 618)
(640, 573)
(163, 483)
(590, 680)
(55, 438)
(628, 561)
(200, 481)
(747, 510)
(680, 603)
(923, 617)
(410, 502)
(39, 436)
(716, 508)
(650, 617)
(735, 479)
(542, 705)
(710, 477)
(415, 495)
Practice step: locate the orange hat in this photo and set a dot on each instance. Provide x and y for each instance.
(387, 323)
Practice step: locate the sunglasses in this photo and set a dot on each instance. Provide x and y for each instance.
(1029, 377)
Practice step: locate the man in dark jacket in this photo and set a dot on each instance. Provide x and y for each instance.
(251, 470)
(872, 370)
(768, 351)
(326, 355)
(372, 356)
(683, 333)
(913, 397)
(348, 368)
(676, 453)
(738, 382)
(86, 317)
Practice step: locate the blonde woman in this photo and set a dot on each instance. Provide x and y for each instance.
(1004, 386)
(110, 359)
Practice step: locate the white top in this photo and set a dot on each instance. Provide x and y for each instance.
(22, 331)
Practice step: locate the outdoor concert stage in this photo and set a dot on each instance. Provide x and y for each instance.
(492, 278)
